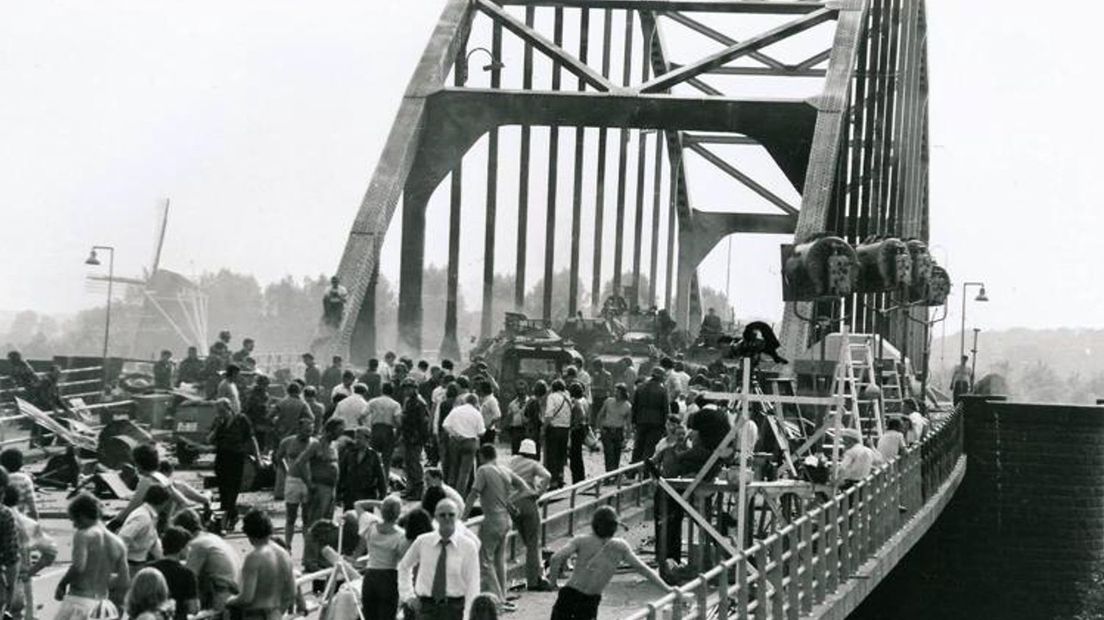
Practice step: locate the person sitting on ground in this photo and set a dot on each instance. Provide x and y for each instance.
(148, 598)
(599, 554)
(181, 581)
(268, 580)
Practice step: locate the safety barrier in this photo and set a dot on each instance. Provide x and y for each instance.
(792, 570)
(625, 488)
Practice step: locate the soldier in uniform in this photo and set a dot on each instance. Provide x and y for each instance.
(163, 371)
(190, 369)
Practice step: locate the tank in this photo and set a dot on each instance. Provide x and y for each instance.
(527, 350)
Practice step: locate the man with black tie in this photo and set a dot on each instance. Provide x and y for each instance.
(447, 562)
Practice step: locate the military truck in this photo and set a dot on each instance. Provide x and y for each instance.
(526, 349)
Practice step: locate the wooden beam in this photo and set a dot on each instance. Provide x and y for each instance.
(538, 41)
(733, 52)
(749, 182)
(692, 6)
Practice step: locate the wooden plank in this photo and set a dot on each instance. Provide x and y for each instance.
(551, 49)
(774, 35)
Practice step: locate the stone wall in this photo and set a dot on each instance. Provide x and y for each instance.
(1024, 535)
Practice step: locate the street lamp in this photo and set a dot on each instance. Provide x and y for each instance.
(95, 261)
(462, 67)
(962, 331)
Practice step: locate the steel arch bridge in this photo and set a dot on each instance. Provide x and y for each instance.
(855, 151)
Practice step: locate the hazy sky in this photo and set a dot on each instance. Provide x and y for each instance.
(263, 122)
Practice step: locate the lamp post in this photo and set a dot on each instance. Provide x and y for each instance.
(973, 358)
(94, 260)
(962, 331)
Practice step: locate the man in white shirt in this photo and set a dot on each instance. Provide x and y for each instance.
(139, 531)
(488, 407)
(857, 461)
(892, 442)
(353, 411)
(464, 426)
(345, 388)
(678, 381)
(919, 425)
(387, 368)
(447, 562)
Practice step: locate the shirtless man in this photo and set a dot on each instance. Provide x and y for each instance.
(295, 488)
(99, 566)
(268, 581)
(599, 555)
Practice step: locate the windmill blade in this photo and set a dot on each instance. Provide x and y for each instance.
(163, 223)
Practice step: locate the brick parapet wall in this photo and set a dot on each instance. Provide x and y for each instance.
(1024, 535)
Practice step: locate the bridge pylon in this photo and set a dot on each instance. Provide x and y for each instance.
(590, 115)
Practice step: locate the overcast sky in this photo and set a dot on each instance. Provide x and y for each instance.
(263, 121)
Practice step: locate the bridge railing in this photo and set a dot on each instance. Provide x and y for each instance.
(567, 510)
(626, 489)
(797, 567)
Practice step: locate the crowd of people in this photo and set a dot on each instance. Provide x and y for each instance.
(334, 437)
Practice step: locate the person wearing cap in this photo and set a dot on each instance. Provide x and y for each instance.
(651, 404)
(857, 461)
(527, 519)
(361, 473)
(598, 556)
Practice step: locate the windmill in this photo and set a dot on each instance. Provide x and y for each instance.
(174, 309)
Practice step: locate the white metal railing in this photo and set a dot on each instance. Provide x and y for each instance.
(795, 568)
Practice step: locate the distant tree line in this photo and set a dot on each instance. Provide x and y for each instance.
(282, 316)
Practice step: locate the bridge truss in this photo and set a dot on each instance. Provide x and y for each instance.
(601, 77)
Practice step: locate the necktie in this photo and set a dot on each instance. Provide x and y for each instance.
(440, 577)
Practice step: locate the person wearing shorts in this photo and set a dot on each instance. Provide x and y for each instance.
(295, 489)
